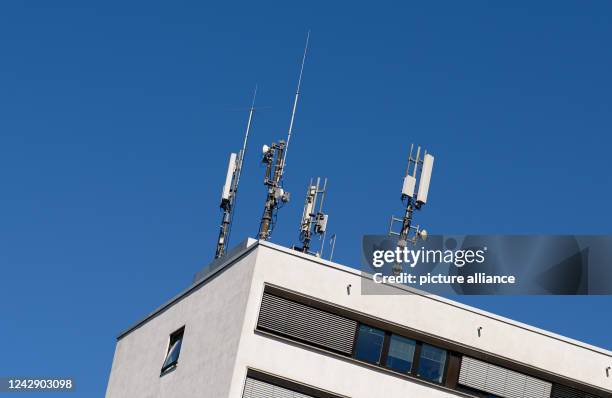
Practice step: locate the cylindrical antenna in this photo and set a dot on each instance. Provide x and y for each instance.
(295, 100)
(246, 136)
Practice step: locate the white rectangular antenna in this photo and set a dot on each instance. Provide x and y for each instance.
(409, 185)
(321, 225)
(231, 168)
(310, 204)
(426, 170)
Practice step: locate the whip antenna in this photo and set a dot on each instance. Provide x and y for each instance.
(295, 100)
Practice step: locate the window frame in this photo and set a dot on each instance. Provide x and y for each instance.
(416, 359)
(178, 334)
(382, 356)
(386, 348)
(417, 363)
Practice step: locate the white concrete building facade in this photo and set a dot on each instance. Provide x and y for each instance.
(270, 322)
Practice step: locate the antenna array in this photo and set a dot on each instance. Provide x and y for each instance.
(230, 188)
(313, 222)
(413, 200)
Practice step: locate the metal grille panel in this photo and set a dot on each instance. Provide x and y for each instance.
(307, 324)
(500, 381)
(559, 391)
(260, 389)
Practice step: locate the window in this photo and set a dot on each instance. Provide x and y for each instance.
(401, 353)
(369, 344)
(431, 363)
(174, 350)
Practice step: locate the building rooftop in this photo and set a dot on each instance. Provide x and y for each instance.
(248, 245)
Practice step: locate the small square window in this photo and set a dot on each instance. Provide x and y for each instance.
(401, 353)
(431, 363)
(369, 344)
(174, 350)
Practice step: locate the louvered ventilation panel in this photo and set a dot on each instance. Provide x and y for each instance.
(559, 391)
(260, 389)
(500, 381)
(307, 324)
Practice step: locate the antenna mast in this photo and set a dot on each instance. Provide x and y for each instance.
(313, 222)
(230, 189)
(412, 201)
(274, 157)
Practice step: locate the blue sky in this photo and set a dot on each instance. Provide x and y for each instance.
(116, 120)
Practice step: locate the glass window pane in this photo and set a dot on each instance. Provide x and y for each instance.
(401, 353)
(431, 363)
(369, 344)
(173, 354)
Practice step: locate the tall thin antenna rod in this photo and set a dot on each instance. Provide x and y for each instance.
(295, 100)
(246, 135)
(332, 241)
(230, 189)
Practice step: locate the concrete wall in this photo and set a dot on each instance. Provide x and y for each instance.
(426, 313)
(220, 343)
(213, 316)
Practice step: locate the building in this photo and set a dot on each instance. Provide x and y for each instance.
(270, 322)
